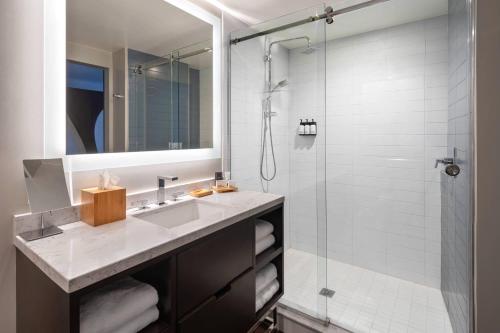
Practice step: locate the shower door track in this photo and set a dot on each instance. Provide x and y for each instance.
(329, 14)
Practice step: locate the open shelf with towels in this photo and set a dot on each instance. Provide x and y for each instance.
(269, 230)
(269, 224)
(267, 256)
(160, 276)
(145, 294)
(278, 263)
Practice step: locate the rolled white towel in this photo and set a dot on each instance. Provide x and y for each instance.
(262, 229)
(111, 306)
(265, 295)
(265, 276)
(139, 322)
(264, 243)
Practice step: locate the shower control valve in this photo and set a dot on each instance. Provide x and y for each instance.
(445, 161)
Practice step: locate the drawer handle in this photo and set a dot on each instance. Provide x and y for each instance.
(223, 292)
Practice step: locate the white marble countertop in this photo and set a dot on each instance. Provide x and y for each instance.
(83, 255)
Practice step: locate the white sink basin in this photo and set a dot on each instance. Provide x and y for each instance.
(180, 213)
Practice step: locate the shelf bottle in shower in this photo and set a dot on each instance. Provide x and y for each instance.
(313, 127)
(301, 128)
(307, 127)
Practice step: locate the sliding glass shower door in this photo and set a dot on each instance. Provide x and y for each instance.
(277, 93)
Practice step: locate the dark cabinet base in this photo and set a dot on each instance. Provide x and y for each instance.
(41, 305)
(231, 311)
(205, 286)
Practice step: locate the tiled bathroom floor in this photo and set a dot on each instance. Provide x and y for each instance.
(365, 301)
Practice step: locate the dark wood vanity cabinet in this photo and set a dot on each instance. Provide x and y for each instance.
(231, 310)
(206, 268)
(205, 286)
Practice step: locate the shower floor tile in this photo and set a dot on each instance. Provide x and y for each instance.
(365, 301)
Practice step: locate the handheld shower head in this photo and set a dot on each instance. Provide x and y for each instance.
(281, 84)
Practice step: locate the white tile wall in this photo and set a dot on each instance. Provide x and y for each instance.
(457, 225)
(386, 122)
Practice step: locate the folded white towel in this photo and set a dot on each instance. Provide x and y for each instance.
(265, 295)
(264, 243)
(265, 276)
(113, 305)
(262, 229)
(139, 322)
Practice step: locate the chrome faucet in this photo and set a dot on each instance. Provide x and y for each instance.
(160, 194)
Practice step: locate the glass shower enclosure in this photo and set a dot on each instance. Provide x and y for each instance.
(378, 234)
(267, 73)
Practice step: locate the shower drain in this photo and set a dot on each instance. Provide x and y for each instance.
(327, 292)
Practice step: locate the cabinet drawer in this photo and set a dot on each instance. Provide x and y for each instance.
(233, 310)
(213, 263)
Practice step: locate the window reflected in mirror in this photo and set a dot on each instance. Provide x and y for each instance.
(139, 77)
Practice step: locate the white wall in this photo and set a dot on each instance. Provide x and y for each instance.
(21, 96)
(457, 194)
(386, 121)
(89, 55)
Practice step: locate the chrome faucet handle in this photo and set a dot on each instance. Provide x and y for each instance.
(162, 179)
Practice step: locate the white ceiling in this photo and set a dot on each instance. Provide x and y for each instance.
(151, 26)
(378, 16)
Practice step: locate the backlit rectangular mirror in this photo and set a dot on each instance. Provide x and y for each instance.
(139, 77)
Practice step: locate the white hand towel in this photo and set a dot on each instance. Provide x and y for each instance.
(112, 305)
(264, 276)
(263, 244)
(262, 229)
(139, 322)
(265, 295)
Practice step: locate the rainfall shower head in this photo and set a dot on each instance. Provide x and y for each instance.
(280, 84)
(308, 50)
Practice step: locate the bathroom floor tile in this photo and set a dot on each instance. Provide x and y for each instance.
(364, 301)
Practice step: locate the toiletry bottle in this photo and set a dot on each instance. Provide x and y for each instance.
(307, 127)
(313, 129)
(301, 127)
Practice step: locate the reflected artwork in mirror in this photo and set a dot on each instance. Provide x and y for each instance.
(138, 77)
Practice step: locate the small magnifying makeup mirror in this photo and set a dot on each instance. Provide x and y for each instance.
(47, 191)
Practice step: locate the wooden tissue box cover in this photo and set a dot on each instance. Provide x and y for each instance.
(103, 206)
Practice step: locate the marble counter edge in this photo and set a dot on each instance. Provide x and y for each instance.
(44, 266)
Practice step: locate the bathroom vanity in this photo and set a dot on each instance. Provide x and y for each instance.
(199, 254)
